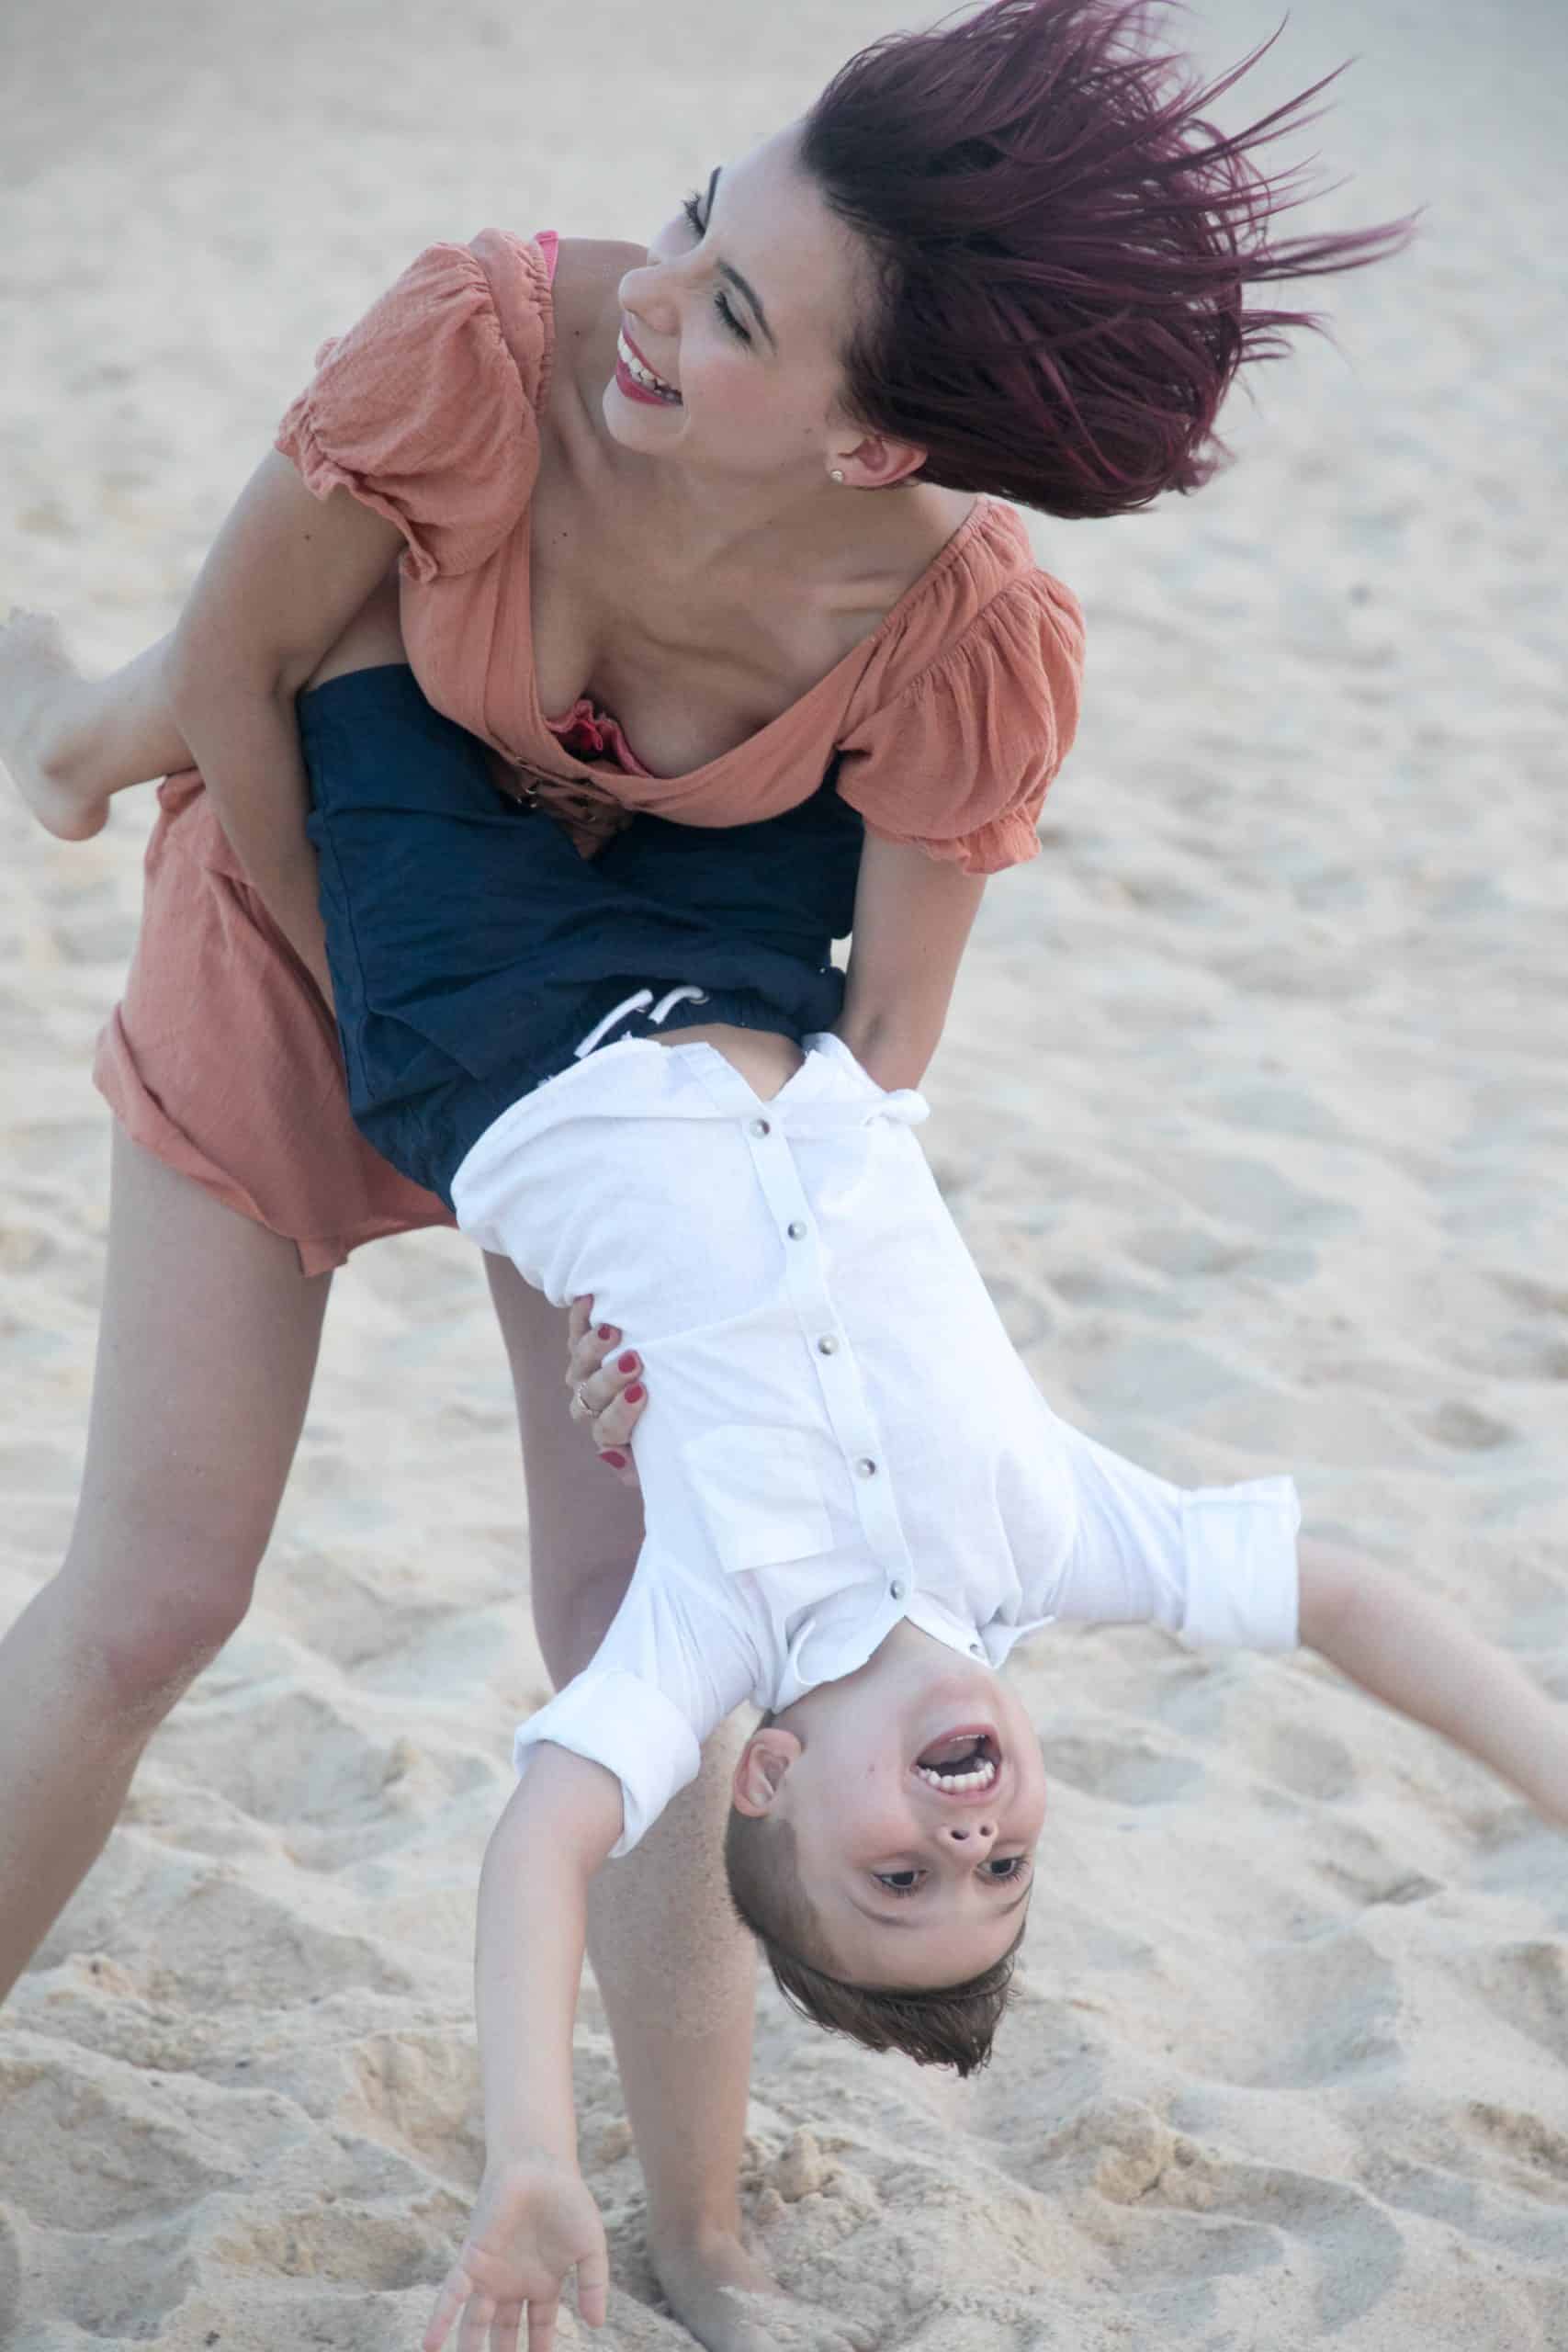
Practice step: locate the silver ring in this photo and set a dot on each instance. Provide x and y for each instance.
(583, 1406)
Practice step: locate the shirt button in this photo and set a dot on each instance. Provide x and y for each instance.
(827, 1345)
(976, 1649)
(898, 1587)
(795, 1229)
(866, 1468)
(761, 1127)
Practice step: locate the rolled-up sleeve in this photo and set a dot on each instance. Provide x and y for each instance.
(1216, 1564)
(619, 1721)
(676, 1660)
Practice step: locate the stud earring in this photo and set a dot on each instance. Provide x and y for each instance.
(836, 474)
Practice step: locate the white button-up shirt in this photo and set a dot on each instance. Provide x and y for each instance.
(838, 1433)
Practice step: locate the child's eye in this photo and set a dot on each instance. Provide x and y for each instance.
(899, 1881)
(692, 208)
(1008, 1868)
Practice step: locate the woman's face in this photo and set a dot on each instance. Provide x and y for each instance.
(740, 313)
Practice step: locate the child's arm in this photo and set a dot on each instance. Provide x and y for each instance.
(913, 916)
(1418, 1654)
(535, 2219)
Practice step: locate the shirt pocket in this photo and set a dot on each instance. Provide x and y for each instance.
(760, 1494)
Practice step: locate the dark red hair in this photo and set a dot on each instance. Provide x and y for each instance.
(1064, 245)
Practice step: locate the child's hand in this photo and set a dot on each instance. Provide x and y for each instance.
(533, 2222)
(607, 1390)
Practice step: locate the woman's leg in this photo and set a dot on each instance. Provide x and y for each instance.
(206, 1354)
(72, 741)
(676, 1971)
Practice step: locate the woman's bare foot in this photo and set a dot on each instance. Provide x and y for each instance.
(38, 683)
(731, 2302)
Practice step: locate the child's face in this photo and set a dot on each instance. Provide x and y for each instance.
(916, 1794)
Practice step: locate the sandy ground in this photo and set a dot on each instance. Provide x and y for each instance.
(1251, 1107)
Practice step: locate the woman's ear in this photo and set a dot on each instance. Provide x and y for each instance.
(762, 1769)
(875, 462)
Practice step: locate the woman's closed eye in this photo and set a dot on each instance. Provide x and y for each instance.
(692, 205)
(1001, 1869)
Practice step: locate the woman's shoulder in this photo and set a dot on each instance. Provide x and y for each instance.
(970, 702)
(978, 615)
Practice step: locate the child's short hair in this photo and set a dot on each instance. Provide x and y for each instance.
(949, 2025)
(1062, 245)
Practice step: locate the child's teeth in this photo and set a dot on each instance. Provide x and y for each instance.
(981, 1778)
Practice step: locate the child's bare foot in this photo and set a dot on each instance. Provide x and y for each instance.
(731, 2303)
(38, 684)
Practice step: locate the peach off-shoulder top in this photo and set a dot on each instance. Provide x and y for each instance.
(948, 720)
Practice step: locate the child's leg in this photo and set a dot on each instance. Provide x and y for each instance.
(72, 741)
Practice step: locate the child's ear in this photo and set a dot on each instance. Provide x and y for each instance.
(759, 1772)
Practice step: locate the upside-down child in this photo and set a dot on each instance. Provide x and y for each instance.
(855, 1499)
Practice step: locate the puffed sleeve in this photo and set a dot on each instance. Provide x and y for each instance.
(426, 411)
(959, 761)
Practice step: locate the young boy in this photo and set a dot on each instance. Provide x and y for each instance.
(856, 1503)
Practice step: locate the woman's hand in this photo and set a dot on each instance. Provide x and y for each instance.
(607, 1389)
(534, 2220)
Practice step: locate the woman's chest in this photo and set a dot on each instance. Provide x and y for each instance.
(690, 664)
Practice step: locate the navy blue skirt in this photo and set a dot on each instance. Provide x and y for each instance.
(472, 948)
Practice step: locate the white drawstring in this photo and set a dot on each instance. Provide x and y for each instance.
(686, 994)
(601, 1029)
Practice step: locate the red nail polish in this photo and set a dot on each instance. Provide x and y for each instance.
(606, 1330)
(626, 1362)
(614, 1461)
(635, 1394)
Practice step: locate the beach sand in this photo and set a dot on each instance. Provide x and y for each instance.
(1251, 1108)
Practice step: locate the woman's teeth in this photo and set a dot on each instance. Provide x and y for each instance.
(981, 1777)
(644, 376)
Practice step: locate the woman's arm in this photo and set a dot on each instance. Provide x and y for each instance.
(1418, 1654)
(286, 574)
(913, 916)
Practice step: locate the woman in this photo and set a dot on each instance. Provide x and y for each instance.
(1007, 258)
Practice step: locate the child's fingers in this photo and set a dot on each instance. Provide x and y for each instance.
(454, 2294)
(542, 2318)
(593, 2287)
(506, 2328)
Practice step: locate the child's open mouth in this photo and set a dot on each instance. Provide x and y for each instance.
(960, 1763)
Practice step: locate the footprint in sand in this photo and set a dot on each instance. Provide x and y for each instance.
(1538, 2149)
(1525, 1985)
(1129, 1769)
(1467, 1429)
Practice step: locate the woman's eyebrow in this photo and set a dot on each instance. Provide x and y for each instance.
(733, 275)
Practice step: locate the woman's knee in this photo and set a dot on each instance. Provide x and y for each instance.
(150, 1618)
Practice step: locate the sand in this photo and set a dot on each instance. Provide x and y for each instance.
(1251, 1108)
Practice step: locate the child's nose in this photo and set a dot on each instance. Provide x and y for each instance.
(960, 1832)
